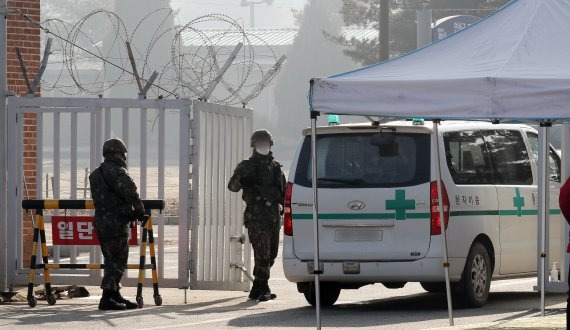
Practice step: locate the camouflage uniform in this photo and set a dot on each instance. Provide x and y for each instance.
(263, 185)
(117, 204)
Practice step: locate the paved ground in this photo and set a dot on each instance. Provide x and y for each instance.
(512, 305)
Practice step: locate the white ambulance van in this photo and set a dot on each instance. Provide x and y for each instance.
(378, 207)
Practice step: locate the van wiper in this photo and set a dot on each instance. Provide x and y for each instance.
(356, 182)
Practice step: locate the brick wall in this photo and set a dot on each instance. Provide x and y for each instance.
(26, 36)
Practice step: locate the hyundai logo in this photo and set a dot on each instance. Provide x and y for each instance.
(356, 205)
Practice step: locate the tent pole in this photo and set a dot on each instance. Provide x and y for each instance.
(442, 220)
(316, 267)
(543, 204)
(564, 176)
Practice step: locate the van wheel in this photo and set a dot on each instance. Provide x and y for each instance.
(475, 284)
(434, 287)
(329, 293)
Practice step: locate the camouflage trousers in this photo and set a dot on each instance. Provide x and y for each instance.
(265, 242)
(116, 253)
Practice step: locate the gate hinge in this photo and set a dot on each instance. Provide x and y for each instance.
(240, 239)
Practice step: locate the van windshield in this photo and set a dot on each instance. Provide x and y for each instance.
(366, 160)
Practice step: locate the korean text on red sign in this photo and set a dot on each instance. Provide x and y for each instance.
(79, 230)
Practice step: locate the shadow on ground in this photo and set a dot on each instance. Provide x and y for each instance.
(369, 313)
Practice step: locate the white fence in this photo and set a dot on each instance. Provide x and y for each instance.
(171, 147)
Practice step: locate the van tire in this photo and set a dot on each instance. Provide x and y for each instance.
(434, 287)
(473, 290)
(329, 293)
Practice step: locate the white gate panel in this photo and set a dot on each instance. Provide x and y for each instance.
(93, 118)
(220, 249)
(212, 250)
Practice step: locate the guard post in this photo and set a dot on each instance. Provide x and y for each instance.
(39, 236)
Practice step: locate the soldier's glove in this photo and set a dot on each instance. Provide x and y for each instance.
(247, 181)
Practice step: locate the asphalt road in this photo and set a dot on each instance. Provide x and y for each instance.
(372, 307)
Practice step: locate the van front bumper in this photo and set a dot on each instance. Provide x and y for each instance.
(423, 270)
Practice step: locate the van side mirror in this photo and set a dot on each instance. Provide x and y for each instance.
(386, 143)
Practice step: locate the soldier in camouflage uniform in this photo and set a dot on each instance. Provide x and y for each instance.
(263, 185)
(117, 204)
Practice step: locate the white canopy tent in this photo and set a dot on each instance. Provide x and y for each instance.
(510, 66)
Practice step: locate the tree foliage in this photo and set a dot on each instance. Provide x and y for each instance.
(312, 55)
(365, 13)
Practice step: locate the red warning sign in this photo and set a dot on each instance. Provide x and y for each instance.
(79, 230)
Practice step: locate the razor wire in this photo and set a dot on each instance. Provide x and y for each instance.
(89, 57)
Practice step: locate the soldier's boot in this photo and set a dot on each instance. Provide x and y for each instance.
(119, 298)
(108, 304)
(265, 293)
(254, 293)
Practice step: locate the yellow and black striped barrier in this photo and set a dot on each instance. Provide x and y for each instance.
(39, 233)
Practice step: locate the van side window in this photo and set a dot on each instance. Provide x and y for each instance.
(467, 158)
(511, 162)
(554, 160)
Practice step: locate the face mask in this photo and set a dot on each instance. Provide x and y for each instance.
(263, 150)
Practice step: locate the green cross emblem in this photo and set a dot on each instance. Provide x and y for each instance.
(401, 204)
(518, 202)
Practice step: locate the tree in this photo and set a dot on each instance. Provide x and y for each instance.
(402, 22)
(312, 55)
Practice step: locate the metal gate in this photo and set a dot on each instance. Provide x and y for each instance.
(165, 139)
(221, 253)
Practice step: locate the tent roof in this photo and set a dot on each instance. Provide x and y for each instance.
(511, 65)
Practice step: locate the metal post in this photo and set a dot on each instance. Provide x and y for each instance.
(193, 196)
(384, 33)
(134, 66)
(85, 180)
(13, 249)
(107, 134)
(565, 173)
(143, 153)
(424, 18)
(220, 74)
(543, 205)
(93, 157)
(252, 15)
(73, 190)
(4, 155)
(316, 268)
(56, 178)
(183, 261)
(269, 74)
(161, 172)
(442, 220)
(43, 66)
